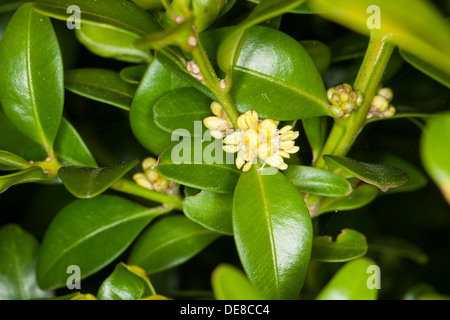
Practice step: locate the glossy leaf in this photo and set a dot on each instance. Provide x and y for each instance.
(211, 210)
(32, 174)
(133, 74)
(350, 283)
(319, 52)
(230, 49)
(148, 4)
(70, 147)
(301, 9)
(157, 81)
(318, 181)
(425, 35)
(273, 233)
(435, 154)
(390, 246)
(168, 243)
(349, 245)
(206, 12)
(381, 176)
(11, 161)
(111, 43)
(126, 283)
(361, 196)
(101, 85)
(29, 52)
(229, 283)
(274, 75)
(90, 234)
(201, 165)
(120, 15)
(18, 252)
(183, 108)
(85, 182)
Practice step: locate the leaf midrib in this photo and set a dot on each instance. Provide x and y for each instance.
(97, 231)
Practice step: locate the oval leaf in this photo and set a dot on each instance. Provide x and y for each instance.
(199, 164)
(29, 52)
(318, 181)
(273, 233)
(183, 108)
(361, 196)
(229, 283)
(133, 74)
(12, 161)
(85, 182)
(100, 85)
(32, 174)
(126, 283)
(274, 75)
(349, 245)
(435, 154)
(157, 81)
(351, 282)
(210, 209)
(111, 43)
(18, 253)
(168, 243)
(379, 175)
(89, 234)
(120, 15)
(231, 46)
(319, 52)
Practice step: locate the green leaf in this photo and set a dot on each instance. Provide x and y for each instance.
(148, 4)
(318, 181)
(126, 283)
(90, 234)
(349, 245)
(199, 164)
(361, 196)
(11, 161)
(29, 52)
(229, 283)
(381, 176)
(315, 130)
(85, 182)
(206, 12)
(350, 283)
(120, 15)
(435, 154)
(398, 247)
(183, 108)
(133, 74)
(319, 52)
(273, 233)
(111, 43)
(211, 210)
(274, 75)
(301, 9)
(32, 174)
(101, 85)
(18, 252)
(10, 5)
(416, 180)
(230, 49)
(425, 35)
(429, 69)
(168, 243)
(69, 146)
(157, 81)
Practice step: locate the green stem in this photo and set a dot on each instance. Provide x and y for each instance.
(132, 188)
(345, 131)
(213, 82)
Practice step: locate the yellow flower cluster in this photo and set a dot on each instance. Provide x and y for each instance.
(256, 139)
(151, 180)
(220, 123)
(344, 100)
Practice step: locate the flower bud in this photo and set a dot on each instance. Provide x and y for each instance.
(386, 93)
(336, 111)
(148, 163)
(380, 104)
